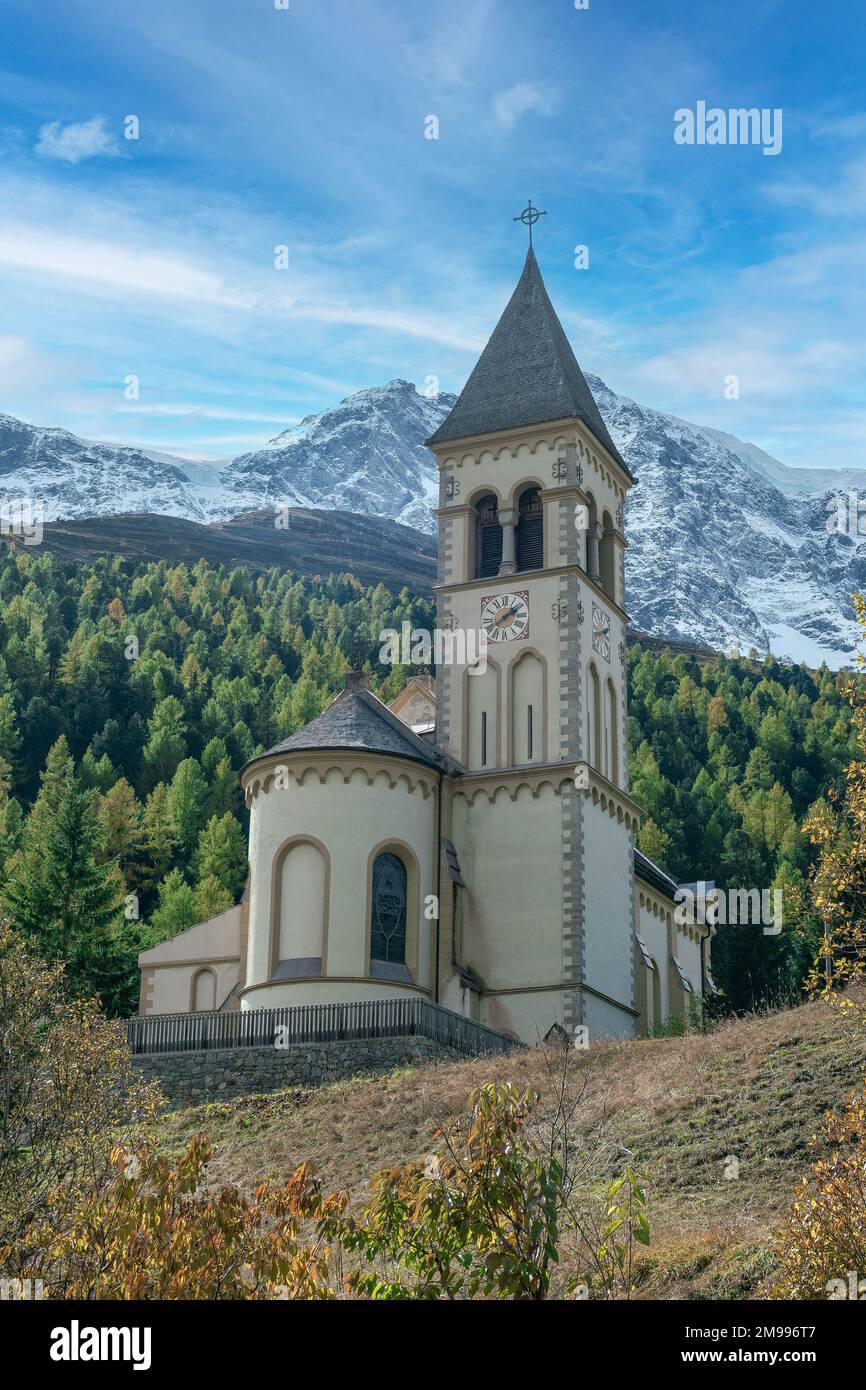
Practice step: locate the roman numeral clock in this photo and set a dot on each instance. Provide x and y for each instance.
(505, 617)
(600, 631)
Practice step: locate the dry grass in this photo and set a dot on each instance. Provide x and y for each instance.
(679, 1108)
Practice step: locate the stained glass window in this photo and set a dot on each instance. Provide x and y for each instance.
(388, 926)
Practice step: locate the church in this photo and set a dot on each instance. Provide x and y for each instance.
(474, 843)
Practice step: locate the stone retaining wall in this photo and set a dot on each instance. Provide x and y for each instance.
(189, 1078)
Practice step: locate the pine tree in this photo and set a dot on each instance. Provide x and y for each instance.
(305, 702)
(759, 771)
(177, 909)
(122, 833)
(222, 854)
(59, 894)
(10, 735)
(211, 899)
(188, 804)
(166, 745)
(653, 841)
(96, 772)
(11, 821)
(160, 835)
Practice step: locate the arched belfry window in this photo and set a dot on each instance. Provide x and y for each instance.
(529, 534)
(488, 537)
(388, 915)
(607, 556)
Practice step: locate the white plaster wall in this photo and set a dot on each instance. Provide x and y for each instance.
(219, 936)
(350, 820)
(543, 638)
(607, 867)
(689, 955)
(168, 968)
(528, 1016)
(612, 668)
(654, 933)
(172, 985)
(604, 1021)
(527, 693)
(511, 856)
(303, 895)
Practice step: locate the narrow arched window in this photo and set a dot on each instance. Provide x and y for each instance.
(657, 996)
(529, 535)
(607, 557)
(592, 545)
(593, 720)
(488, 537)
(611, 734)
(388, 915)
(204, 991)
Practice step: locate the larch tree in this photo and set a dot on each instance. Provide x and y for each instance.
(222, 854)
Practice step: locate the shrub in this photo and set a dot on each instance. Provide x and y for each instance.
(823, 1241)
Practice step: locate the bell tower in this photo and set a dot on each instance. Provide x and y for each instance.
(531, 551)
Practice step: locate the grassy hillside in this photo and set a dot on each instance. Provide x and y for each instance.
(679, 1108)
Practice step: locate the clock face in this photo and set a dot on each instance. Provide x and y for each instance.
(600, 632)
(505, 617)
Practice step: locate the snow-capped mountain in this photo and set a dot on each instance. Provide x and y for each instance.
(76, 477)
(726, 545)
(367, 455)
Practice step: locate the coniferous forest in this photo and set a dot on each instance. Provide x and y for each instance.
(132, 694)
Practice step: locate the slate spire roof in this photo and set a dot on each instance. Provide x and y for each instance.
(527, 374)
(355, 719)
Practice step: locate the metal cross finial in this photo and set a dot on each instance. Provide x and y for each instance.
(529, 217)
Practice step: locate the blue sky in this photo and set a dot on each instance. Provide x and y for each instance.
(305, 127)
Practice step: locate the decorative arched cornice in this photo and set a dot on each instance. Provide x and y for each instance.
(515, 443)
(490, 784)
(295, 767)
(603, 793)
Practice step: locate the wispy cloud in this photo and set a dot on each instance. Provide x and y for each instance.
(82, 258)
(842, 194)
(850, 127)
(77, 141)
(510, 105)
(200, 412)
(159, 261)
(22, 366)
(12, 350)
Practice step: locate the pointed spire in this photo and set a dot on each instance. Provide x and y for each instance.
(526, 375)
